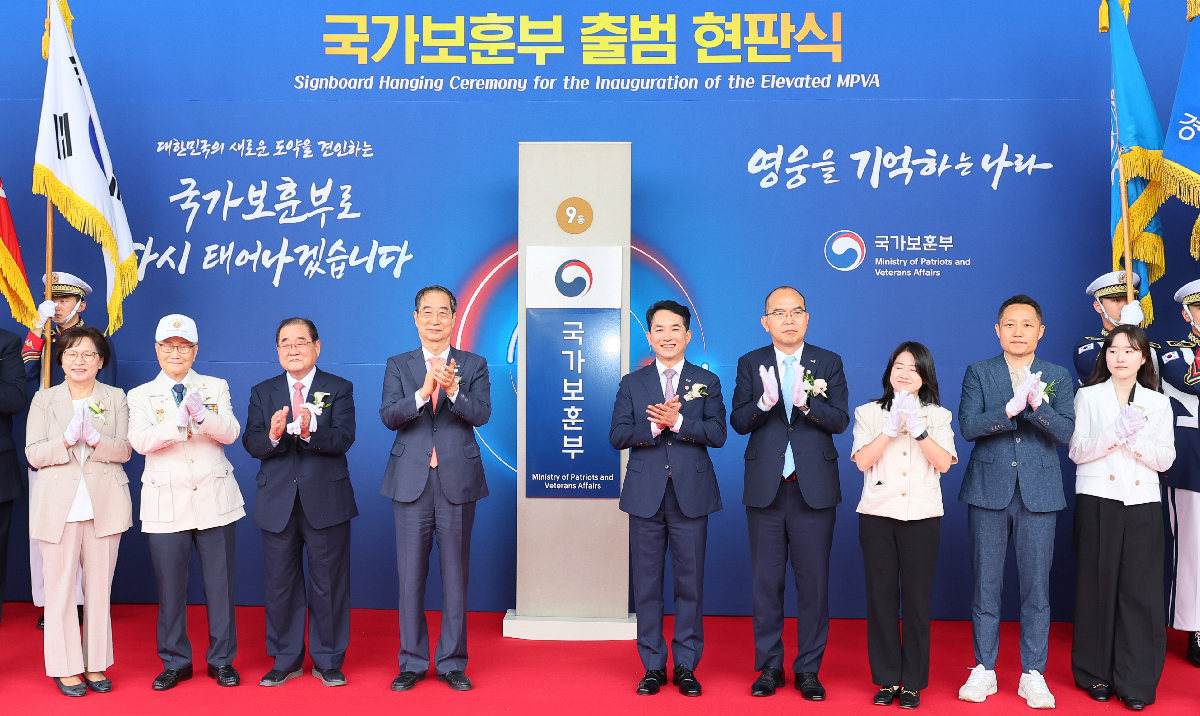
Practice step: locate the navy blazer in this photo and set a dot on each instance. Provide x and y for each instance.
(12, 402)
(810, 434)
(451, 429)
(1177, 372)
(1011, 450)
(682, 455)
(316, 468)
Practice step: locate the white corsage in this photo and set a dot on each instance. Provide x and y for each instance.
(814, 386)
(696, 390)
(97, 410)
(1047, 390)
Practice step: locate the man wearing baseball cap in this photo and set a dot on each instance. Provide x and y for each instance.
(182, 421)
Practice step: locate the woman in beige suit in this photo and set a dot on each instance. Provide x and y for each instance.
(78, 506)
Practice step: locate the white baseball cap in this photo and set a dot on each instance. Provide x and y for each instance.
(176, 324)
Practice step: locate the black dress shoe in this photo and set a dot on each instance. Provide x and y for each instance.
(225, 675)
(406, 680)
(809, 687)
(686, 681)
(456, 680)
(330, 677)
(79, 689)
(909, 699)
(42, 622)
(1099, 692)
(1132, 703)
(886, 695)
(103, 686)
(79, 611)
(1193, 648)
(651, 682)
(279, 677)
(170, 677)
(769, 680)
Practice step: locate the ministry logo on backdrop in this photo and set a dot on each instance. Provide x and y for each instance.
(573, 278)
(845, 250)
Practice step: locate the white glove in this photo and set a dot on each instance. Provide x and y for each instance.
(770, 388)
(182, 415)
(911, 420)
(45, 312)
(314, 410)
(195, 407)
(1019, 400)
(1129, 421)
(1132, 315)
(799, 394)
(895, 415)
(1035, 389)
(75, 428)
(90, 435)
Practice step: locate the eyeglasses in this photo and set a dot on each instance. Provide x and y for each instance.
(85, 356)
(428, 313)
(779, 314)
(183, 349)
(298, 345)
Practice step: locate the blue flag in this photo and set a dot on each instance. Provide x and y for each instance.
(1136, 141)
(1180, 173)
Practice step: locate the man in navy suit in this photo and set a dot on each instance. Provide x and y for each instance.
(669, 413)
(12, 402)
(434, 397)
(1016, 408)
(304, 501)
(791, 398)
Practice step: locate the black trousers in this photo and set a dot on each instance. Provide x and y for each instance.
(899, 557)
(328, 592)
(170, 554)
(1120, 619)
(6, 509)
(649, 540)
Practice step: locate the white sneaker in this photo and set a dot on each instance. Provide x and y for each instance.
(980, 685)
(1034, 690)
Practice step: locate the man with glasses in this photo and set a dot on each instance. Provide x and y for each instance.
(791, 398)
(304, 501)
(434, 397)
(182, 421)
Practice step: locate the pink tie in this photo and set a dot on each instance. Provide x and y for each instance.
(433, 400)
(297, 399)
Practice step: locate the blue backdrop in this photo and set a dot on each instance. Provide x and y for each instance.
(210, 111)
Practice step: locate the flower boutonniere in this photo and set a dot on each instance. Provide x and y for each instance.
(97, 409)
(1047, 390)
(696, 390)
(318, 398)
(814, 386)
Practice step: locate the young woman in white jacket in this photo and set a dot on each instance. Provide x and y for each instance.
(1124, 436)
(903, 443)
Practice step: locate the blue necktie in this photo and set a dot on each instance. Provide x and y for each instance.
(789, 378)
(178, 389)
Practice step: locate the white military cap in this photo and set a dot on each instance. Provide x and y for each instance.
(176, 325)
(1112, 284)
(66, 284)
(1189, 293)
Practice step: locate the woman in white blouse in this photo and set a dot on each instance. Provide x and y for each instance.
(78, 507)
(903, 442)
(1124, 436)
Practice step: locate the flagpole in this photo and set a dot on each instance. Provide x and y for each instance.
(1124, 206)
(49, 290)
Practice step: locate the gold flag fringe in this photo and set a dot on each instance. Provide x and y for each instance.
(1147, 310)
(1177, 180)
(1125, 9)
(16, 289)
(1142, 162)
(1146, 246)
(69, 18)
(1193, 9)
(88, 220)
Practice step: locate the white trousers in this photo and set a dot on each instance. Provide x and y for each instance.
(35, 566)
(1183, 508)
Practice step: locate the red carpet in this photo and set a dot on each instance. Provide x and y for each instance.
(524, 677)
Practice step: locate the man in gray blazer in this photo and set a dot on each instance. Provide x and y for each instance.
(434, 397)
(1016, 408)
(669, 413)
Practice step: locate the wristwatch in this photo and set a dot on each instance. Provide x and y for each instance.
(924, 434)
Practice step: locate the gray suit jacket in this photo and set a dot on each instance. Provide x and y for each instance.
(1016, 450)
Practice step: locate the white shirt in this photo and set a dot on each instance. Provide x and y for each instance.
(780, 357)
(445, 356)
(662, 380)
(306, 384)
(81, 506)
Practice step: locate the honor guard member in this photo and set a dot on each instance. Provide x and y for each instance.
(1180, 372)
(68, 294)
(1111, 302)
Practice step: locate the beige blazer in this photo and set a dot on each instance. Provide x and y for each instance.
(1116, 469)
(902, 484)
(188, 483)
(58, 468)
